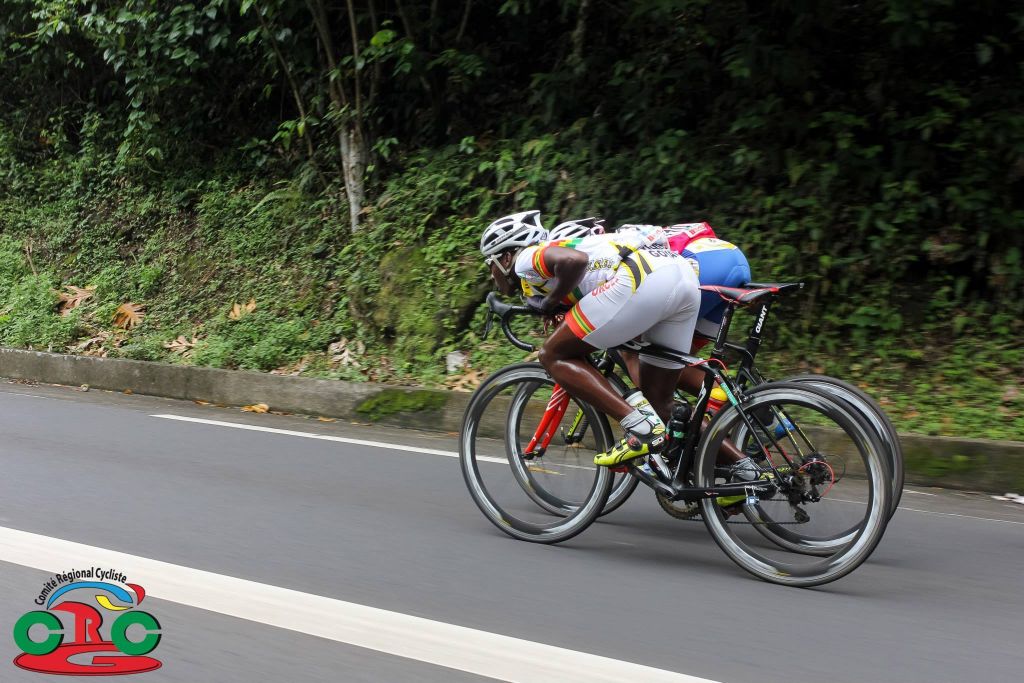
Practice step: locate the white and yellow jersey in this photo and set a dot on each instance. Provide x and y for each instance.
(604, 254)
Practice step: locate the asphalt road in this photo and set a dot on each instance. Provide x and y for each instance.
(942, 599)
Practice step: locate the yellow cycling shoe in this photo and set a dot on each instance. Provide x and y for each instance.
(627, 449)
(633, 446)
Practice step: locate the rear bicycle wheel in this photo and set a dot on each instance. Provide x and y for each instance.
(847, 528)
(543, 500)
(875, 416)
(785, 525)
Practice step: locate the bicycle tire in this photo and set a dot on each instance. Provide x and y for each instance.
(789, 537)
(861, 400)
(846, 557)
(561, 528)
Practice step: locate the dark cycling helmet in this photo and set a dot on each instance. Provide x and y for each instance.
(518, 230)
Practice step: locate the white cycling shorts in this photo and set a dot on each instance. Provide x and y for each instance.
(653, 295)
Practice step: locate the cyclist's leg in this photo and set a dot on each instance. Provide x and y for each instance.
(661, 399)
(665, 302)
(635, 300)
(658, 377)
(659, 385)
(562, 355)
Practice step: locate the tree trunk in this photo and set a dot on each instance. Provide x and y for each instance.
(352, 146)
(579, 36)
(354, 155)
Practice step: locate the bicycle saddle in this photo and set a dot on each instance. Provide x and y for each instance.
(744, 296)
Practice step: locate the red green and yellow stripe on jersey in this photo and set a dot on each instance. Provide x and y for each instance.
(538, 257)
(578, 322)
(538, 264)
(572, 297)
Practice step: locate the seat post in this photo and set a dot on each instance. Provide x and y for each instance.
(723, 330)
(754, 336)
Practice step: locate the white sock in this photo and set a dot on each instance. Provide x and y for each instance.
(640, 402)
(636, 422)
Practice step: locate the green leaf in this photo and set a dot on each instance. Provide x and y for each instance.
(382, 38)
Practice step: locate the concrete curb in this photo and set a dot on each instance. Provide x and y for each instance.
(416, 408)
(976, 464)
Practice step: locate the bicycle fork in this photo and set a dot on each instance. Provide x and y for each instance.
(553, 414)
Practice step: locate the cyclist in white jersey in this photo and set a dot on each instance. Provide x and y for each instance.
(616, 288)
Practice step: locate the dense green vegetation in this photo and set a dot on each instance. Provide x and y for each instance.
(299, 187)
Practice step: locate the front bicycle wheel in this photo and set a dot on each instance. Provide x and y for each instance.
(836, 494)
(571, 433)
(543, 500)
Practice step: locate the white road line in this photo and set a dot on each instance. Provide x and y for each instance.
(435, 642)
(18, 393)
(931, 512)
(356, 442)
(920, 493)
(311, 435)
(954, 514)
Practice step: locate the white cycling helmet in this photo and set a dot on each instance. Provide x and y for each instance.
(518, 230)
(580, 227)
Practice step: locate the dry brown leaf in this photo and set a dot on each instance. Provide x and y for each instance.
(296, 368)
(93, 346)
(467, 381)
(72, 298)
(344, 353)
(181, 345)
(201, 403)
(128, 392)
(128, 315)
(256, 408)
(240, 310)
(326, 419)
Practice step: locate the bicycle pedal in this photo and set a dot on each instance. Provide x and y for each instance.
(619, 468)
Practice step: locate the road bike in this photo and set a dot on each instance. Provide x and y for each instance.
(798, 476)
(611, 365)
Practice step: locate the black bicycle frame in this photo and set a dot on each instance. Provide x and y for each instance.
(678, 489)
